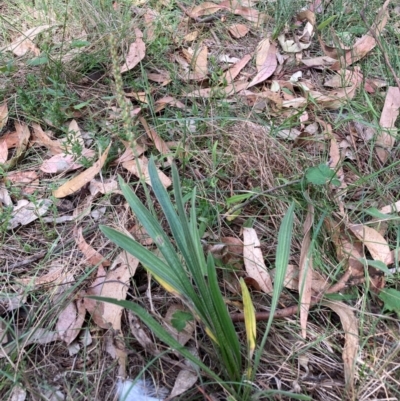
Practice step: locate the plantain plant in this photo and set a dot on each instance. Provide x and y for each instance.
(183, 270)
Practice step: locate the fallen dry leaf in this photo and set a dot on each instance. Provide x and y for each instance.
(390, 112)
(113, 284)
(185, 380)
(168, 100)
(82, 179)
(229, 75)
(291, 281)
(92, 256)
(28, 181)
(219, 92)
(143, 162)
(238, 30)
(41, 138)
(306, 271)
(350, 349)
(20, 140)
(250, 14)
(150, 18)
(70, 321)
(322, 61)
(103, 187)
(32, 336)
(159, 143)
(206, 8)
(349, 250)
(200, 63)
(136, 53)
(23, 44)
(3, 151)
(266, 62)
(59, 163)
(54, 276)
(366, 43)
(254, 261)
(373, 241)
(191, 36)
(3, 115)
(162, 77)
(26, 212)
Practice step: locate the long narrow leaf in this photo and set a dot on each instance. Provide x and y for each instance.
(146, 257)
(281, 263)
(163, 335)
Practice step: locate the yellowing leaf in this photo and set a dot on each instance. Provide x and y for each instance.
(249, 319)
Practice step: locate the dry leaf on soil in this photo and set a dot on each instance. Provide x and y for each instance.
(92, 256)
(366, 43)
(266, 62)
(20, 140)
(144, 170)
(374, 242)
(168, 100)
(26, 212)
(159, 143)
(23, 44)
(350, 349)
(390, 112)
(206, 8)
(32, 336)
(349, 250)
(219, 92)
(3, 115)
(82, 179)
(136, 53)
(306, 271)
(185, 380)
(238, 30)
(28, 181)
(3, 151)
(42, 139)
(229, 75)
(70, 321)
(112, 284)
(254, 261)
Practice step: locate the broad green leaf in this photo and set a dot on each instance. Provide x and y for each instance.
(321, 174)
(391, 300)
(378, 264)
(180, 318)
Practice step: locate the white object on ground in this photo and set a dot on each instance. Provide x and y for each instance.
(139, 390)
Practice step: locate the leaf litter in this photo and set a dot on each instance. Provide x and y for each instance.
(278, 77)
